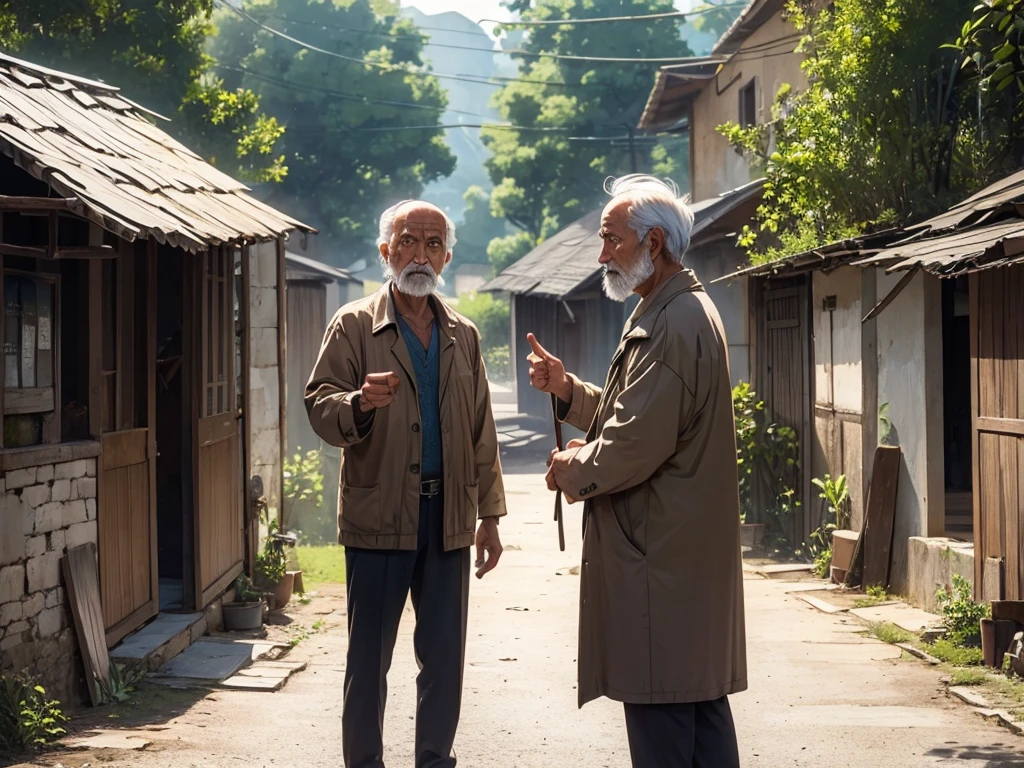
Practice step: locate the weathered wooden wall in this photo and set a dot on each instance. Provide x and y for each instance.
(997, 362)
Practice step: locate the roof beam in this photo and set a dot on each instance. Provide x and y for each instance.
(15, 204)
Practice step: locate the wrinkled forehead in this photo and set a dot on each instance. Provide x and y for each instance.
(420, 219)
(616, 216)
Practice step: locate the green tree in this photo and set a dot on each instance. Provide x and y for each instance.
(153, 51)
(477, 228)
(885, 132)
(716, 17)
(992, 42)
(356, 140)
(544, 180)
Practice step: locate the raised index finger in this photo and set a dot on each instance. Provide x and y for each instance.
(537, 348)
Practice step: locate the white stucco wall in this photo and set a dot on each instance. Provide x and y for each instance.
(910, 381)
(837, 340)
(264, 385)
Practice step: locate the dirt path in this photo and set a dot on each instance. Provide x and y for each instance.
(821, 694)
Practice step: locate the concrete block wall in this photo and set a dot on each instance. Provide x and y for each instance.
(44, 511)
(264, 384)
(933, 561)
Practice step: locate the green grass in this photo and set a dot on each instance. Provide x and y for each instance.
(875, 596)
(968, 676)
(944, 650)
(890, 633)
(321, 565)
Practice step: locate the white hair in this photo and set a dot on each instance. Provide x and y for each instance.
(655, 202)
(386, 227)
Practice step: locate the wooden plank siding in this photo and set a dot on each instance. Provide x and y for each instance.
(997, 351)
(126, 519)
(307, 320)
(583, 332)
(219, 526)
(782, 378)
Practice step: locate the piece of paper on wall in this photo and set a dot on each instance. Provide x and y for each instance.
(44, 334)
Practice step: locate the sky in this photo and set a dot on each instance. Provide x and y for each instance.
(488, 9)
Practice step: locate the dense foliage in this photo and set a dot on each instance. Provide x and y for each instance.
(885, 132)
(544, 179)
(361, 131)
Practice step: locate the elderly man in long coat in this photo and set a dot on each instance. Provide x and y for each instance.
(661, 594)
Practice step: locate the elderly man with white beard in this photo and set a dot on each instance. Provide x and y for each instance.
(400, 386)
(661, 592)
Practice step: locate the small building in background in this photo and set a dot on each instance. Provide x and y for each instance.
(315, 292)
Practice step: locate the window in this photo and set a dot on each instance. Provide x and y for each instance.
(29, 357)
(748, 104)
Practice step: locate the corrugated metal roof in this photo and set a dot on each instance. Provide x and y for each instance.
(673, 92)
(89, 142)
(317, 269)
(826, 258)
(976, 248)
(978, 207)
(567, 261)
(751, 18)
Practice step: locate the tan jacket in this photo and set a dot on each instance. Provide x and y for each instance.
(379, 497)
(661, 595)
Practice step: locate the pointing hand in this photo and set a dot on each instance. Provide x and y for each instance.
(547, 373)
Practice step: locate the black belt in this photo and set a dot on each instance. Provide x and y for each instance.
(430, 488)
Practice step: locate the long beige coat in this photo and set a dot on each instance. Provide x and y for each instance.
(379, 497)
(661, 595)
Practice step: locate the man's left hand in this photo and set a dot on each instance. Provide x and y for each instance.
(558, 465)
(487, 541)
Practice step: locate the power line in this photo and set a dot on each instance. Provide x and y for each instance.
(427, 41)
(291, 85)
(550, 22)
(391, 67)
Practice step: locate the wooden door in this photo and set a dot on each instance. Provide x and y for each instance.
(218, 520)
(783, 373)
(126, 517)
(997, 394)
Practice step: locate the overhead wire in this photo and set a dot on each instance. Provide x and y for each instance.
(289, 84)
(427, 41)
(428, 73)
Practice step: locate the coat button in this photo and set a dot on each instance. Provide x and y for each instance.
(415, 469)
(415, 427)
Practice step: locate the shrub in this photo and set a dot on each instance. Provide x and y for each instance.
(767, 457)
(961, 616)
(28, 719)
(303, 494)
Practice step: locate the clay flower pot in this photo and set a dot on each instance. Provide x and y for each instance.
(283, 591)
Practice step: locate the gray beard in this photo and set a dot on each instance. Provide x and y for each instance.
(417, 281)
(620, 283)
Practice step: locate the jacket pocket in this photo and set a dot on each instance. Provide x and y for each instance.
(468, 508)
(360, 509)
(629, 508)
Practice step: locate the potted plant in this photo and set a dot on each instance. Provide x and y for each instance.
(246, 612)
(272, 573)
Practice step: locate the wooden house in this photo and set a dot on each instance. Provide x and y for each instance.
(315, 292)
(913, 339)
(142, 366)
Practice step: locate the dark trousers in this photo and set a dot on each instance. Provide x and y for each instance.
(379, 581)
(700, 735)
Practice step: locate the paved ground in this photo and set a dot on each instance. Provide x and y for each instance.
(821, 695)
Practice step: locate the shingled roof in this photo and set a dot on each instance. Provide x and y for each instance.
(99, 150)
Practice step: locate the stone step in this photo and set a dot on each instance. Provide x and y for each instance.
(168, 635)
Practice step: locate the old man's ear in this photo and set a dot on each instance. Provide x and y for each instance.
(385, 250)
(656, 241)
